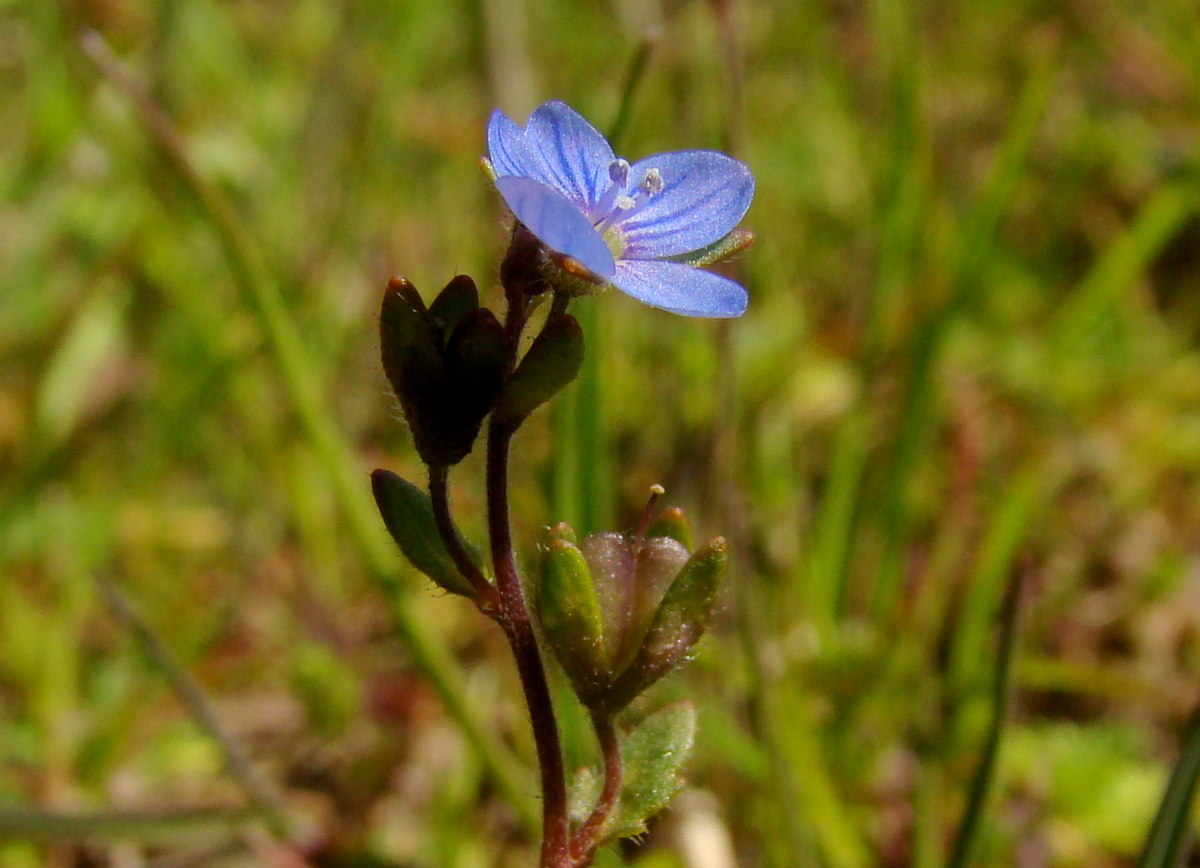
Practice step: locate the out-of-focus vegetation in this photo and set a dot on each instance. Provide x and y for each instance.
(971, 355)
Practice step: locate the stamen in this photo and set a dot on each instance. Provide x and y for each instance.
(650, 186)
(618, 173)
(652, 183)
(656, 491)
(621, 209)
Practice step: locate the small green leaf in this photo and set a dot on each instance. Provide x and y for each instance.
(653, 756)
(408, 515)
(551, 363)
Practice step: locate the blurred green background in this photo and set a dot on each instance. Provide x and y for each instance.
(970, 355)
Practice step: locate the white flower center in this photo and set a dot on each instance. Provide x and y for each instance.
(617, 205)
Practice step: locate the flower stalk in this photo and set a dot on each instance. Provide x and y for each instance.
(616, 611)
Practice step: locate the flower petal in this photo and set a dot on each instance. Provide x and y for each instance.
(507, 148)
(680, 289)
(557, 222)
(573, 152)
(705, 194)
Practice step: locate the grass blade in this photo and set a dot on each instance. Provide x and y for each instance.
(261, 790)
(1164, 842)
(981, 783)
(144, 826)
(973, 251)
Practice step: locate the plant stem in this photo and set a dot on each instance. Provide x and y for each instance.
(513, 618)
(485, 595)
(583, 846)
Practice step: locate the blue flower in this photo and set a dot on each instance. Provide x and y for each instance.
(623, 222)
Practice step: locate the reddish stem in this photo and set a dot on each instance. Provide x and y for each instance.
(486, 597)
(513, 617)
(583, 845)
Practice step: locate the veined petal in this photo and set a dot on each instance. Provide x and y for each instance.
(557, 222)
(510, 152)
(705, 194)
(574, 153)
(680, 289)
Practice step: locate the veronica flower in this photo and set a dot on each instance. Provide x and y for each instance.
(624, 222)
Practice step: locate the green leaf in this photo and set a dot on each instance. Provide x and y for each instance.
(408, 515)
(653, 756)
(552, 362)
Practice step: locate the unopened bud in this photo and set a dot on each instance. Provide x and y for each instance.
(445, 364)
(622, 610)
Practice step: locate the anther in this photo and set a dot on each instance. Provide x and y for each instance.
(652, 182)
(618, 173)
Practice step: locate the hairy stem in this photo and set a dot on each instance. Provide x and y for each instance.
(583, 845)
(485, 595)
(513, 617)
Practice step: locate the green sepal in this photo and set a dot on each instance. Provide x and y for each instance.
(731, 245)
(653, 756)
(551, 363)
(561, 530)
(679, 622)
(674, 524)
(408, 515)
(456, 300)
(569, 614)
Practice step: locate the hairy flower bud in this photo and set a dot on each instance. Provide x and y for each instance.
(445, 363)
(622, 610)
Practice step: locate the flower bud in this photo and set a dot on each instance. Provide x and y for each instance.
(620, 610)
(446, 365)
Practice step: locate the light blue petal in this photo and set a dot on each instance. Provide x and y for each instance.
(506, 145)
(705, 194)
(573, 152)
(557, 222)
(681, 289)
(510, 151)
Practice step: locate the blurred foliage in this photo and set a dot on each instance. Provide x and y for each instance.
(972, 339)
